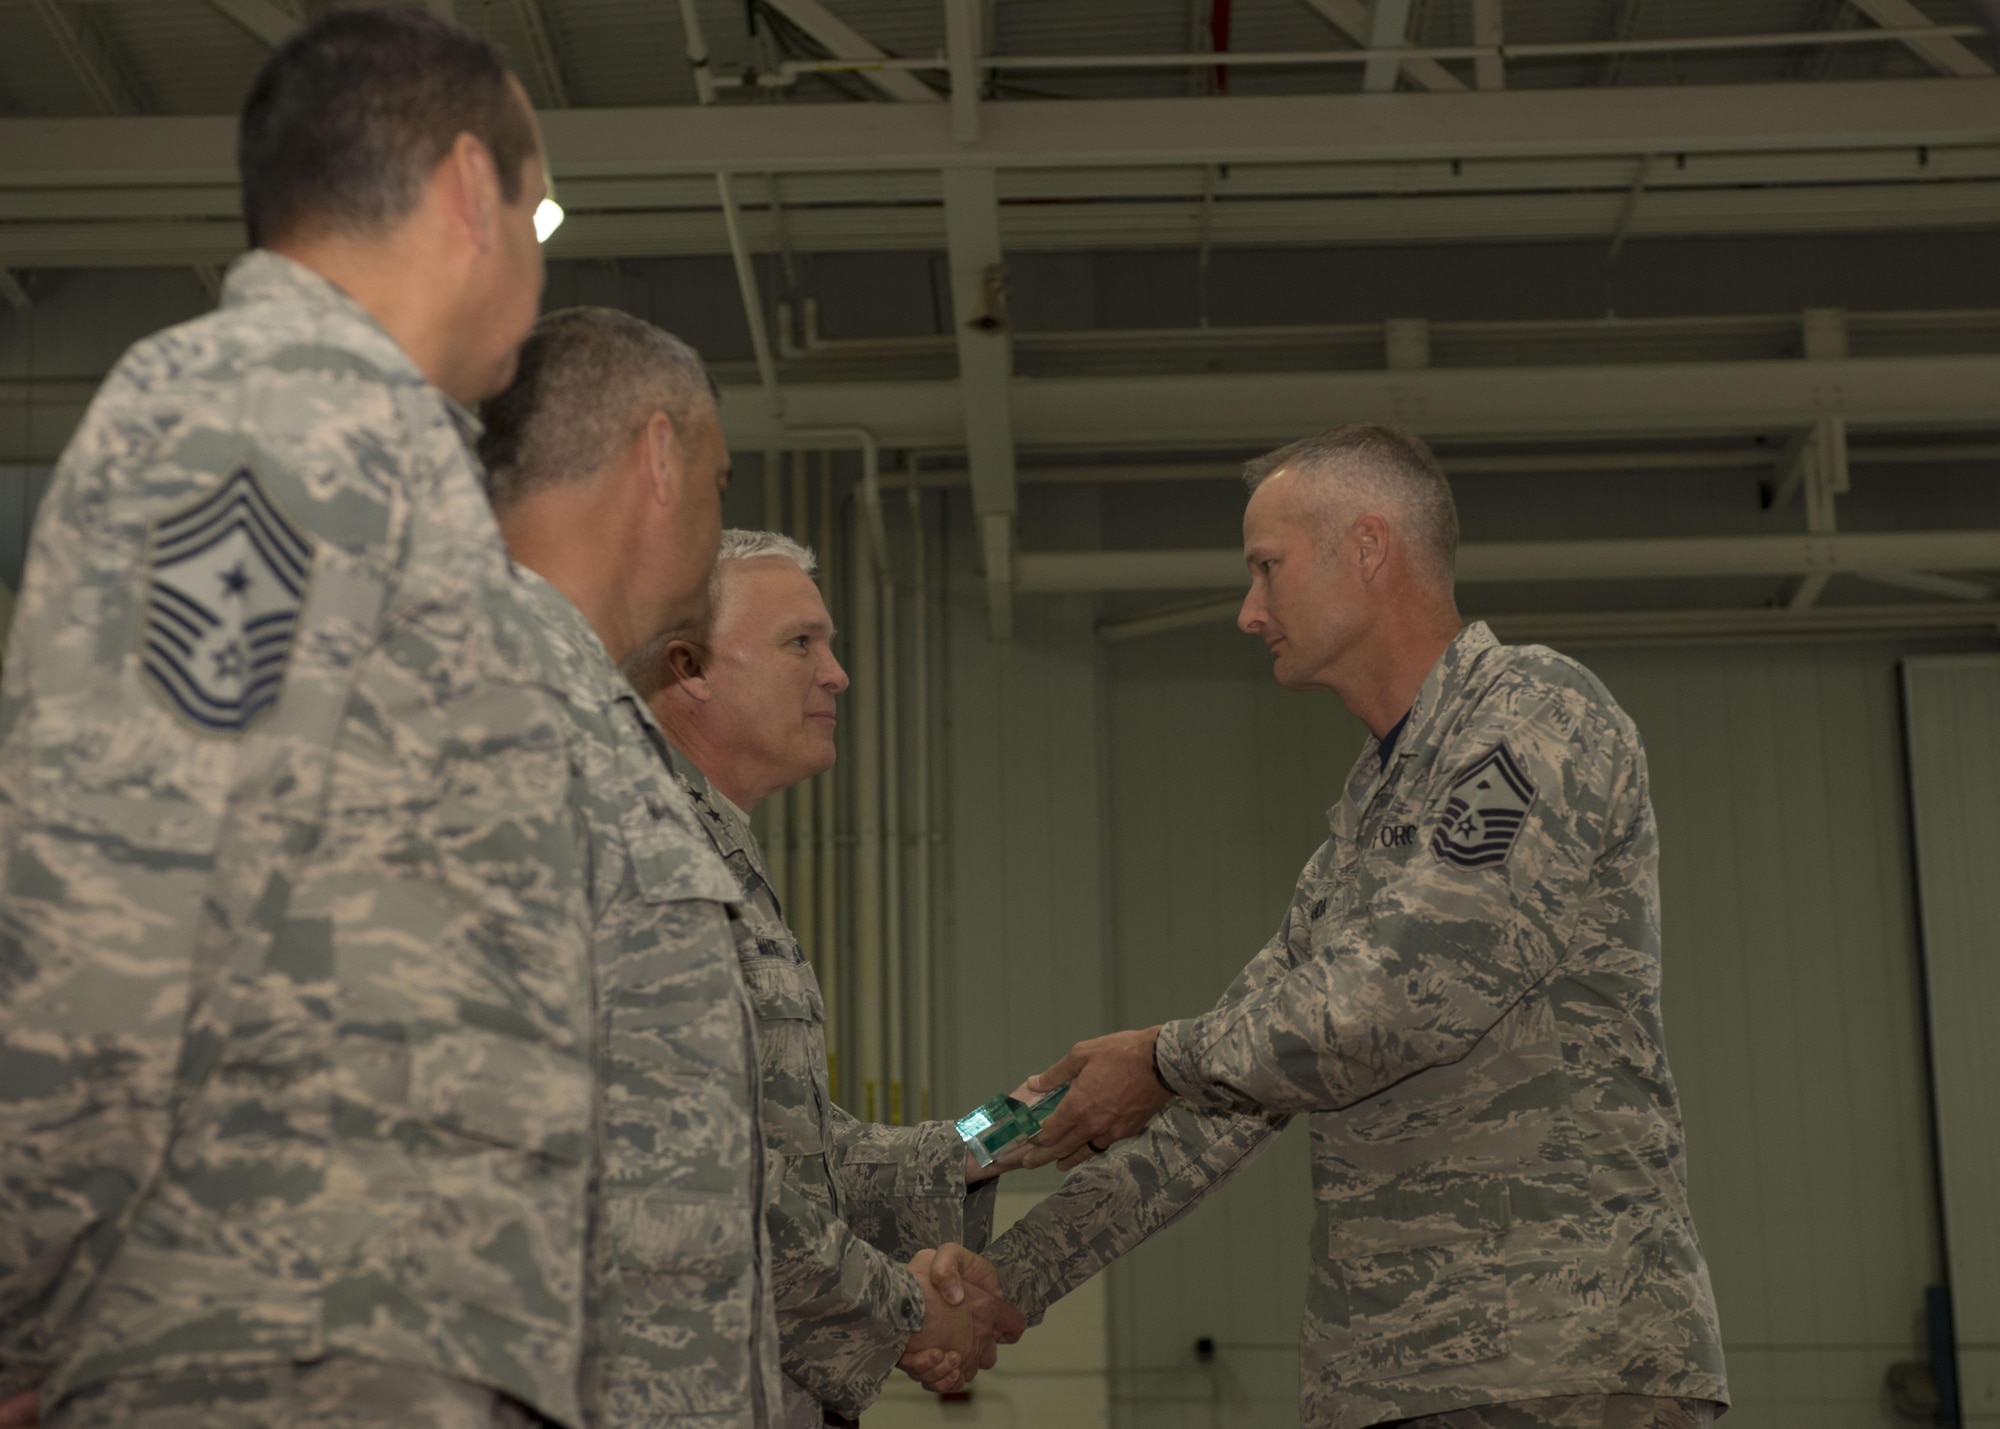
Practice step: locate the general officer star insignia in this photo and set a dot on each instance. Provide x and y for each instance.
(1489, 803)
(225, 579)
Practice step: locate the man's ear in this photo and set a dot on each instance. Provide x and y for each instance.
(471, 191)
(1370, 544)
(663, 459)
(686, 664)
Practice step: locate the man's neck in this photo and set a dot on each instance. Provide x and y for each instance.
(399, 290)
(687, 736)
(565, 535)
(1380, 686)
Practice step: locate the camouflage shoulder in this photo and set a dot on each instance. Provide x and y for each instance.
(1531, 677)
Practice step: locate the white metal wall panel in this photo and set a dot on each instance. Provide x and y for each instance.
(1792, 1012)
(1953, 712)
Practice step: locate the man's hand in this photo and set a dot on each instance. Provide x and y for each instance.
(965, 1317)
(1114, 1092)
(23, 1411)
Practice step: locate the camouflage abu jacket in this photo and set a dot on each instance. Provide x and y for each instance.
(873, 1195)
(1464, 997)
(680, 1286)
(279, 762)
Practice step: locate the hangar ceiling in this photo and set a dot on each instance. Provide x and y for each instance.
(980, 139)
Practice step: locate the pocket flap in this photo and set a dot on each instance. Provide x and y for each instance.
(782, 986)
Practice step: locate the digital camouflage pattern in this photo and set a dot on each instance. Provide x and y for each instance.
(681, 1298)
(327, 1394)
(1464, 998)
(359, 886)
(1577, 1411)
(861, 1197)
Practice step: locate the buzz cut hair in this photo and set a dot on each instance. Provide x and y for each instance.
(1364, 468)
(348, 117)
(588, 380)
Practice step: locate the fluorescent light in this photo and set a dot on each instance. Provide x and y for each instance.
(548, 218)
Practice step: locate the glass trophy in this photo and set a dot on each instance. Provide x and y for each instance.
(991, 1128)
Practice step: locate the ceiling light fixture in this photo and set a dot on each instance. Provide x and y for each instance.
(548, 218)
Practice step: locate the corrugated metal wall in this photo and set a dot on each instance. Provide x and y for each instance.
(1792, 982)
(1953, 713)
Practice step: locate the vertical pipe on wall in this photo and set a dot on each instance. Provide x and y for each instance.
(832, 970)
(777, 809)
(867, 748)
(893, 1012)
(922, 1076)
(802, 897)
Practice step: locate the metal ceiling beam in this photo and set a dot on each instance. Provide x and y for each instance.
(1489, 71)
(91, 55)
(984, 336)
(843, 42)
(1639, 400)
(543, 59)
(1945, 55)
(1388, 27)
(1046, 226)
(1351, 18)
(1037, 134)
(1515, 562)
(1571, 628)
(272, 23)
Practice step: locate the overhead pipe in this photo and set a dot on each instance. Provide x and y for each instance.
(1512, 561)
(867, 750)
(922, 1055)
(777, 808)
(892, 844)
(790, 72)
(834, 973)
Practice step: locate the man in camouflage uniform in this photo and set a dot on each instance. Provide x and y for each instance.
(1463, 996)
(607, 465)
(748, 703)
(295, 1005)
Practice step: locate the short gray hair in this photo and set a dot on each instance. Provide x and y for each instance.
(646, 669)
(1384, 468)
(588, 380)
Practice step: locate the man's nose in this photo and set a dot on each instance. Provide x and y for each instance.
(1250, 619)
(832, 677)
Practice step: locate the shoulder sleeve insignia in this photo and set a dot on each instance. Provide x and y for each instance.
(1489, 803)
(225, 580)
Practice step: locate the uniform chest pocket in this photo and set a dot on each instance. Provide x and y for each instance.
(782, 985)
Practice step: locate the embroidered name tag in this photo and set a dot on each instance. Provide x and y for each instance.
(225, 580)
(1489, 803)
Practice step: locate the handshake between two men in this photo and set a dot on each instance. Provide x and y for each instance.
(1104, 1091)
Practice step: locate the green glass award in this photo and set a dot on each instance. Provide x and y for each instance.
(991, 1128)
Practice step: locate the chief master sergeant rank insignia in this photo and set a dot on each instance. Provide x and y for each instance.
(226, 577)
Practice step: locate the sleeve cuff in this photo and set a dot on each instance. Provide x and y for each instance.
(1177, 1063)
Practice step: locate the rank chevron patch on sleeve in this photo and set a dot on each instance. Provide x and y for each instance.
(1489, 803)
(225, 580)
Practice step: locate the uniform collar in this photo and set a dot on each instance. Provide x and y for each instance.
(727, 826)
(1437, 700)
(567, 623)
(261, 276)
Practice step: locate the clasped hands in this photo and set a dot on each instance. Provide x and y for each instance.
(966, 1319)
